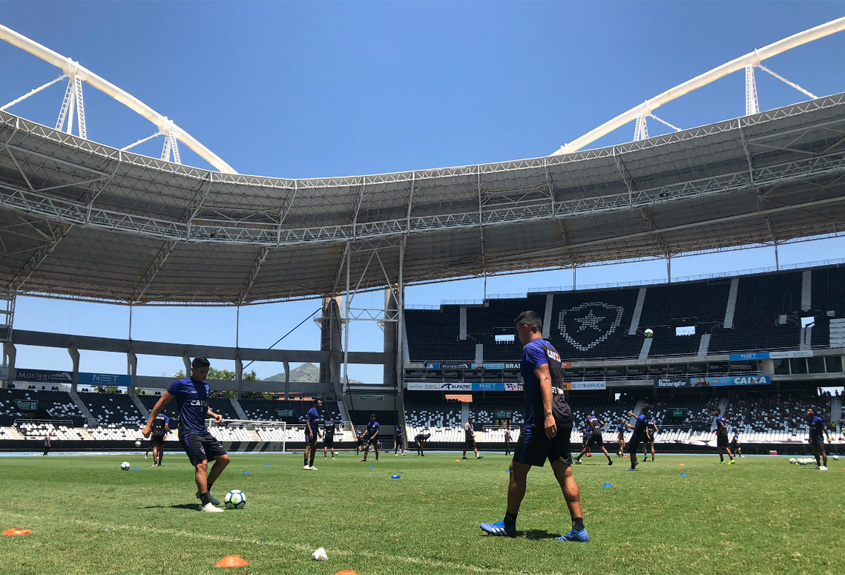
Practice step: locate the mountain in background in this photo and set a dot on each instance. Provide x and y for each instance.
(307, 373)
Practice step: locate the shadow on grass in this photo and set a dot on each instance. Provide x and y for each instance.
(191, 506)
(538, 534)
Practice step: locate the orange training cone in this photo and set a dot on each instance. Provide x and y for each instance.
(346, 572)
(231, 561)
(17, 532)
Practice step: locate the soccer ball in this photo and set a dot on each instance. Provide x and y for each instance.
(792, 460)
(649, 332)
(835, 457)
(235, 499)
(125, 466)
(137, 443)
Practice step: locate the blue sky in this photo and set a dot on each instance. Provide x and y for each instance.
(306, 89)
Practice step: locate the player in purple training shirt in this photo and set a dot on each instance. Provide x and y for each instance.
(191, 396)
(545, 433)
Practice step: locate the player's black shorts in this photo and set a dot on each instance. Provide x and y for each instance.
(469, 444)
(328, 441)
(734, 444)
(372, 441)
(534, 447)
(201, 447)
(595, 440)
(309, 438)
(817, 440)
(633, 444)
(157, 440)
(721, 440)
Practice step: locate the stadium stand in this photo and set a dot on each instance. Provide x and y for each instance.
(113, 409)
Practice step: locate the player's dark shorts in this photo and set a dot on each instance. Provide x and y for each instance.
(309, 438)
(328, 441)
(201, 447)
(534, 447)
(469, 443)
(157, 440)
(595, 440)
(817, 440)
(372, 441)
(721, 440)
(734, 444)
(633, 444)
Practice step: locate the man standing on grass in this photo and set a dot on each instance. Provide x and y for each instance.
(329, 428)
(648, 442)
(594, 426)
(420, 440)
(312, 433)
(722, 437)
(545, 433)
(817, 432)
(736, 448)
(400, 441)
(469, 438)
(372, 436)
(620, 436)
(639, 433)
(508, 439)
(161, 427)
(191, 396)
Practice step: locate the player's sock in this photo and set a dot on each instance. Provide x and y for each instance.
(577, 523)
(205, 498)
(510, 520)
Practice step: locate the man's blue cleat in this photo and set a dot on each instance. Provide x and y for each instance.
(500, 528)
(577, 536)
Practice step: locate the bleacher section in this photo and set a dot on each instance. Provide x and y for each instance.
(51, 405)
(113, 409)
(767, 314)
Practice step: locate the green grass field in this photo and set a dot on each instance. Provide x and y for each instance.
(761, 515)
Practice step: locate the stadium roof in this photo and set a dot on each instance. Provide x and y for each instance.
(82, 220)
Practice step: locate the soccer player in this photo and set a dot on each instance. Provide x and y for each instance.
(508, 439)
(469, 438)
(639, 433)
(736, 448)
(329, 428)
(191, 396)
(648, 442)
(400, 441)
(161, 427)
(372, 436)
(47, 443)
(817, 432)
(359, 437)
(545, 432)
(420, 440)
(620, 435)
(312, 433)
(722, 437)
(595, 440)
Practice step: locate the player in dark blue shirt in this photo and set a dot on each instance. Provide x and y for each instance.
(420, 440)
(161, 427)
(639, 433)
(372, 436)
(648, 441)
(594, 439)
(545, 433)
(620, 435)
(312, 433)
(736, 447)
(329, 428)
(722, 437)
(191, 395)
(400, 441)
(817, 432)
